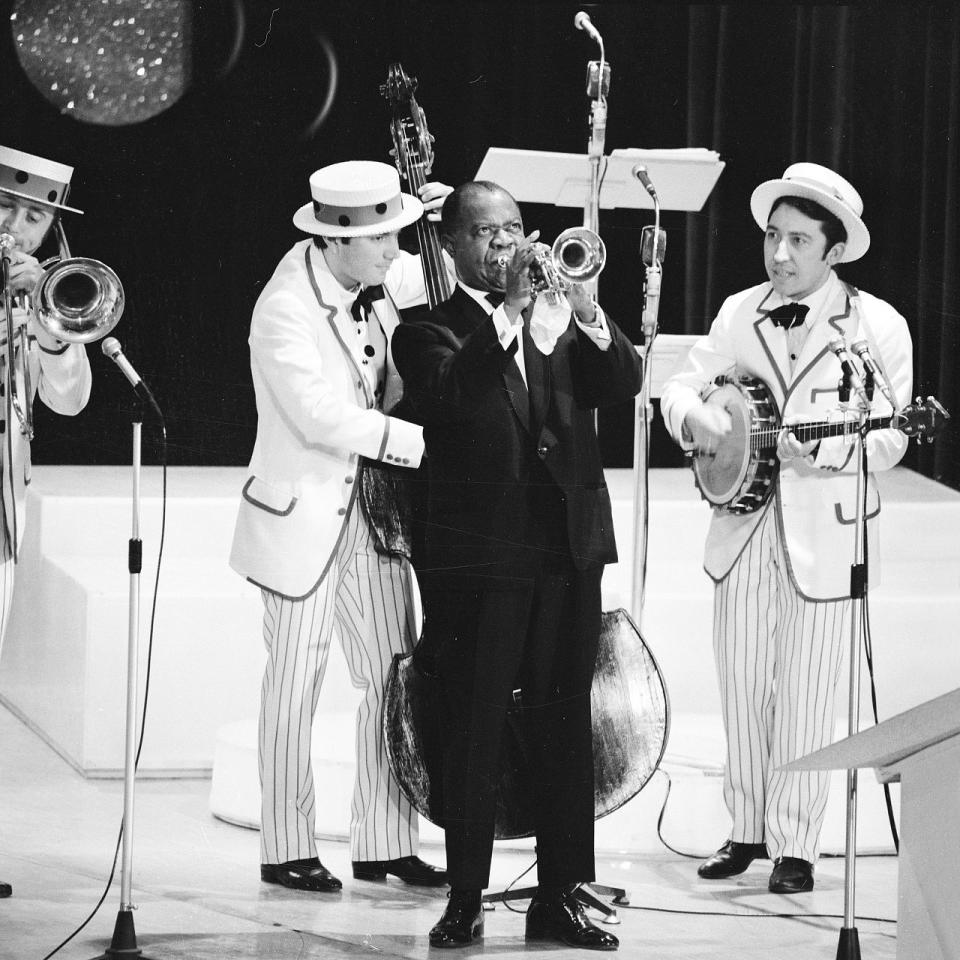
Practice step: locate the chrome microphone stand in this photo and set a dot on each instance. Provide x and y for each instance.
(598, 86)
(641, 445)
(124, 941)
(848, 947)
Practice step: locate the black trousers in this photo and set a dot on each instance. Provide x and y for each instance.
(537, 635)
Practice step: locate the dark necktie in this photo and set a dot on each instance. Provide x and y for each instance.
(495, 297)
(789, 315)
(361, 306)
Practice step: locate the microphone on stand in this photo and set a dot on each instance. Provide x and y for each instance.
(862, 350)
(583, 22)
(112, 350)
(850, 374)
(598, 86)
(640, 172)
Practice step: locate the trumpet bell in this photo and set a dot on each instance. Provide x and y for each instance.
(78, 300)
(579, 254)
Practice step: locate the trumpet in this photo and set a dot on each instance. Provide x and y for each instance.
(77, 300)
(577, 256)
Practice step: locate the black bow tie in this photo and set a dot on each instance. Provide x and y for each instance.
(495, 297)
(789, 315)
(361, 306)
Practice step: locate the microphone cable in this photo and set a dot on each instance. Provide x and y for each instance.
(146, 687)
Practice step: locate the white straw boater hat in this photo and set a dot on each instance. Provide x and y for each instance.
(357, 198)
(34, 178)
(827, 188)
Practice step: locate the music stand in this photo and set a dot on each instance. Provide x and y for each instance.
(684, 179)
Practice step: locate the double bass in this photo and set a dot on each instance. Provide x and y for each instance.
(629, 700)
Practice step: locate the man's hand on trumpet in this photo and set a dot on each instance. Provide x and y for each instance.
(581, 302)
(519, 289)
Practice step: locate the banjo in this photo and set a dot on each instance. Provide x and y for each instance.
(739, 477)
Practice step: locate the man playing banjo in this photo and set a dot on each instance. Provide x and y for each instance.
(782, 571)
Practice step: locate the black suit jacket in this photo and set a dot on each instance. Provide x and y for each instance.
(511, 472)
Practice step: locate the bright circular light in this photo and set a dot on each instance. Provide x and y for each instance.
(112, 62)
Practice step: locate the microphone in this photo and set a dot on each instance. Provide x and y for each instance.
(583, 22)
(112, 350)
(862, 350)
(647, 254)
(849, 371)
(640, 172)
(652, 256)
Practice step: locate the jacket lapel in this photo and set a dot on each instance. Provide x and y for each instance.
(324, 288)
(774, 345)
(840, 322)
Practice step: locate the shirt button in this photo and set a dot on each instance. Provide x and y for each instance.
(348, 479)
(405, 460)
(543, 451)
(389, 456)
(342, 511)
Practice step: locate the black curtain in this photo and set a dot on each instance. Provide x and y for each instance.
(192, 208)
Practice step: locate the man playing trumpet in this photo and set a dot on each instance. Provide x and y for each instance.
(33, 192)
(518, 530)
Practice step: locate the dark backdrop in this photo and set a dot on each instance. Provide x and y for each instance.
(192, 208)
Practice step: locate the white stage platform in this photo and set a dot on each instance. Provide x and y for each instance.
(64, 660)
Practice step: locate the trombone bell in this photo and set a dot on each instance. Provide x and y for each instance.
(78, 300)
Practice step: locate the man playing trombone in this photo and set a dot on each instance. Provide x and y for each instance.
(518, 531)
(33, 192)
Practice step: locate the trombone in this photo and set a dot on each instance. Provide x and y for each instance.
(77, 300)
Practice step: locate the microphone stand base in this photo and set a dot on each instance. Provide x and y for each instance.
(123, 946)
(849, 946)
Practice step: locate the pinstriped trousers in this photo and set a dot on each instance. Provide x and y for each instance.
(366, 600)
(778, 660)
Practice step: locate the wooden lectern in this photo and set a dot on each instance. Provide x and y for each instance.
(921, 749)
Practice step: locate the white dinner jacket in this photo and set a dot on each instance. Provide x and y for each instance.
(815, 500)
(316, 416)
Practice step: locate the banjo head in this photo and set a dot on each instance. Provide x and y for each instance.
(721, 477)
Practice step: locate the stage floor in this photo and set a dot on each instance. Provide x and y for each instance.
(198, 893)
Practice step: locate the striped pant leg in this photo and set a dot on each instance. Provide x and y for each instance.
(375, 621)
(745, 618)
(297, 637)
(810, 643)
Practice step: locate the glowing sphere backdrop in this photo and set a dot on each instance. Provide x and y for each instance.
(112, 62)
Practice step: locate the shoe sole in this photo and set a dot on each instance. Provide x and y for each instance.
(412, 881)
(804, 889)
(534, 936)
(294, 886)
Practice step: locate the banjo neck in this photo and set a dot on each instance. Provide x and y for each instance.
(766, 436)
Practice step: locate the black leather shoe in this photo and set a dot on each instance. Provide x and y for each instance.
(5, 890)
(410, 870)
(732, 858)
(309, 874)
(462, 921)
(791, 875)
(561, 917)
